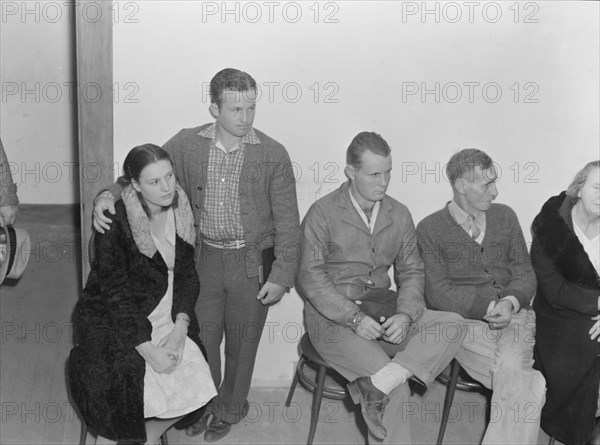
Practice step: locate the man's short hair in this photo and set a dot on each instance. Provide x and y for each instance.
(580, 178)
(366, 141)
(229, 79)
(462, 164)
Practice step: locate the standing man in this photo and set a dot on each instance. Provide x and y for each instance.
(374, 336)
(477, 265)
(241, 185)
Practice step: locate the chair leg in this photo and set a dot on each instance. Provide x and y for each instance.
(455, 368)
(83, 434)
(294, 382)
(316, 405)
(163, 439)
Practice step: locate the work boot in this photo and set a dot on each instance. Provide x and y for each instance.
(372, 403)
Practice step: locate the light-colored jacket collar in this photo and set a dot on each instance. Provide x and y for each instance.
(140, 223)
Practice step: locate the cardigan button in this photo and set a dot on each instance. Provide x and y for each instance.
(197, 206)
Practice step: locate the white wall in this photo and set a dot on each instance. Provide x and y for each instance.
(364, 67)
(38, 99)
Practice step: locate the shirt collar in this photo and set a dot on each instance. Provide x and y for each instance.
(210, 132)
(459, 215)
(370, 224)
(462, 217)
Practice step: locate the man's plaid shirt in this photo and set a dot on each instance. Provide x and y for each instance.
(220, 217)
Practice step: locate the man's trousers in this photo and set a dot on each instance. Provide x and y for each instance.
(432, 342)
(227, 306)
(502, 361)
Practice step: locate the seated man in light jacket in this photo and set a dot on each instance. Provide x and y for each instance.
(351, 238)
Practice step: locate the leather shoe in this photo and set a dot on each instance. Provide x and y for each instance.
(199, 426)
(372, 403)
(217, 430)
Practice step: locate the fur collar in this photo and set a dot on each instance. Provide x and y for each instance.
(140, 223)
(553, 228)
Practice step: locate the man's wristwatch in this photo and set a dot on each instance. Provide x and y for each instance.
(357, 317)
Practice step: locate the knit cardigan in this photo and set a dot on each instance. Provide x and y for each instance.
(463, 276)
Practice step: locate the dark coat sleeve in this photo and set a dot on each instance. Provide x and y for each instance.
(556, 290)
(117, 291)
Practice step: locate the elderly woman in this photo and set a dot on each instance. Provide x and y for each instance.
(138, 367)
(565, 255)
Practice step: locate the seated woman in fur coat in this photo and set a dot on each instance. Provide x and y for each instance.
(565, 254)
(138, 366)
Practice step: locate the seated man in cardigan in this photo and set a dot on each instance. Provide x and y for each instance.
(477, 265)
(374, 336)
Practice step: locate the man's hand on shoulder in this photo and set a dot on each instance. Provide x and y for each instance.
(396, 328)
(499, 314)
(99, 220)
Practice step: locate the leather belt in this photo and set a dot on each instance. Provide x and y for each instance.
(226, 245)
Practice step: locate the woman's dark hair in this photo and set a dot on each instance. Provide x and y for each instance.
(136, 160)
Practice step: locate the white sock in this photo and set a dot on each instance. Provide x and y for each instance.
(389, 377)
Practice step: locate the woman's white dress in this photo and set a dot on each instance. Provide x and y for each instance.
(190, 386)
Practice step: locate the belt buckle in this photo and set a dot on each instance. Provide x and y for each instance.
(226, 245)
